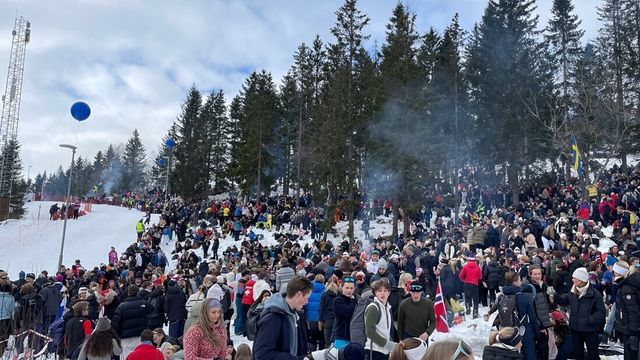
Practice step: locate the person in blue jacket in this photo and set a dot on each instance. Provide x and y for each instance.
(281, 333)
(312, 313)
(525, 312)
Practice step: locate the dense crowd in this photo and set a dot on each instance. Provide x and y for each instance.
(542, 266)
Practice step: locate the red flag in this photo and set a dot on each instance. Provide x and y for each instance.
(440, 312)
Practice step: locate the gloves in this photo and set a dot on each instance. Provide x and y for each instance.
(551, 291)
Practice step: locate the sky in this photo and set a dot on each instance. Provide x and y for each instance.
(134, 61)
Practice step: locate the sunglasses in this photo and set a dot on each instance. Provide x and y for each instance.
(415, 288)
(460, 350)
(348, 279)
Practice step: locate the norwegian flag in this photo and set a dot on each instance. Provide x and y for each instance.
(440, 311)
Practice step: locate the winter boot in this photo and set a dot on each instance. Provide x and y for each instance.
(475, 313)
(468, 312)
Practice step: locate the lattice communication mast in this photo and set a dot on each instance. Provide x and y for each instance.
(11, 108)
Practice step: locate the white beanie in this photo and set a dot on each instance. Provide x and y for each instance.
(581, 274)
(617, 268)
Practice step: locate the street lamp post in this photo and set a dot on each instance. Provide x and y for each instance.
(66, 209)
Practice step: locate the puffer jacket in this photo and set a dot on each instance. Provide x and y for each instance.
(491, 275)
(628, 306)
(477, 235)
(326, 306)
(587, 312)
(540, 301)
(175, 304)
(131, 317)
(471, 273)
(312, 309)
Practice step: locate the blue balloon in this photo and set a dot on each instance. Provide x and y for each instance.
(80, 111)
(170, 143)
(162, 162)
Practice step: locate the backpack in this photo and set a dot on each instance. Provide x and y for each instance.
(507, 312)
(253, 318)
(227, 310)
(356, 327)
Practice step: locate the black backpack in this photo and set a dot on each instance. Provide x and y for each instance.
(507, 312)
(253, 318)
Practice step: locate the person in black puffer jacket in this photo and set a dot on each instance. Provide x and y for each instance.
(628, 311)
(587, 314)
(327, 316)
(503, 345)
(492, 278)
(175, 307)
(130, 319)
(156, 299)
(562, 280)
(343, 306)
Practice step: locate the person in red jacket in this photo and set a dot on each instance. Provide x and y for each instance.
(146, 350)
(247, 296)
(471, 275)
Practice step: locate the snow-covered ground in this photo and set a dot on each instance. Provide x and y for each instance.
(32, 244)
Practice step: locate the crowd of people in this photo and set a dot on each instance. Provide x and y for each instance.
(538, 268)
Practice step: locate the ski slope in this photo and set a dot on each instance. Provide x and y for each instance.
(32, 244)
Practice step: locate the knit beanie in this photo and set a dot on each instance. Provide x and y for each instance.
(581, 274)
(611, 260)
(104, 324)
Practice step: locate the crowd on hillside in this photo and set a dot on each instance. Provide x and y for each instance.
(553, 288)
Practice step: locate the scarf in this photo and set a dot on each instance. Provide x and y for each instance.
(580, 291)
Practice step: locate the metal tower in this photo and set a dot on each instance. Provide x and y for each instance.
(11, 107)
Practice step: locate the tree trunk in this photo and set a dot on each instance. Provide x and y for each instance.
(512, 174)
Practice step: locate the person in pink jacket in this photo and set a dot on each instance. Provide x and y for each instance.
(207, 339)
(471, 275)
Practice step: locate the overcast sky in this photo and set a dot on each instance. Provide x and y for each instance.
(133, 61)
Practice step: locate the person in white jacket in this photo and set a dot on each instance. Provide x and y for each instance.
(260, 285)
(378, 322)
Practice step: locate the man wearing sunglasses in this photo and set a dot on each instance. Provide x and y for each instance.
(416, 317)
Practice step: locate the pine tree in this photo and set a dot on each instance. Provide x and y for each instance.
(399, 124)
(215, 119)
(188, 176)
(288, 130)
(11, 154)
(349, 33)
(256, 117)
(613, 43)
(134, 163)
(501, 71)
(112, 172)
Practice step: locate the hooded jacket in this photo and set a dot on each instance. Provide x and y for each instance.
(281, 334)
(628, 306)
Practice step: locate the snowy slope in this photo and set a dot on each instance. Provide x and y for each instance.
(32, 244)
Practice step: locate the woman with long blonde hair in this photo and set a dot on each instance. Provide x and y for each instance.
(207, 338)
